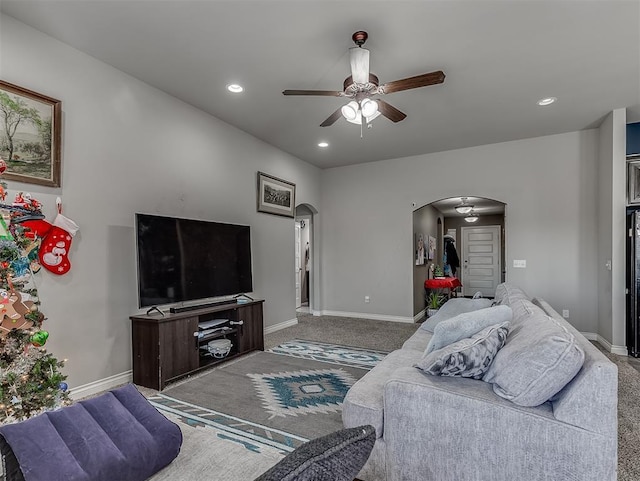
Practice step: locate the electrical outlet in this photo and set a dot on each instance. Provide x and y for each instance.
(519, 263)
(565, 313)
(367, 299)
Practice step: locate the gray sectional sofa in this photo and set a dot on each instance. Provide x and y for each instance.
(501, 427)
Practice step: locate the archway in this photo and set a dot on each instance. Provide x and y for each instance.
(482, 264)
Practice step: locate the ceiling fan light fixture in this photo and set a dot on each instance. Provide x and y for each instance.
(350, 111)
(472, 218)
(464, 208)
(369, 107)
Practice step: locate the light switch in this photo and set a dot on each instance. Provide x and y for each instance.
(519, 263)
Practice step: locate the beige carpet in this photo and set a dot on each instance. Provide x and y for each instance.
(207, 454)
(628, 419)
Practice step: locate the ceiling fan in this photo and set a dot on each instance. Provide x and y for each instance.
(361, 86)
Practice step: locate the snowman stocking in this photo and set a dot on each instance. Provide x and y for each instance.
(54, 250)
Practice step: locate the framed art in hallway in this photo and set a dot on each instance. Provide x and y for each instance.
(276, 196)
(30, 135)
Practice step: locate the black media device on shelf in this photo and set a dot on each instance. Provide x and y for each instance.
(185, 259)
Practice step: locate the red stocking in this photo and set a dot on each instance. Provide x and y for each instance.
(54, 251)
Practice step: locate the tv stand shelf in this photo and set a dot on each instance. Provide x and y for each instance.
(167, 348)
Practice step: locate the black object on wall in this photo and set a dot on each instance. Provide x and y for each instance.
(633, 139)
(184, 259)
(633, 282)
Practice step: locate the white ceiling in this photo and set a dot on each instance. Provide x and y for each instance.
(499, 57)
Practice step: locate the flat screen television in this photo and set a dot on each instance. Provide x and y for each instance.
(184, 259)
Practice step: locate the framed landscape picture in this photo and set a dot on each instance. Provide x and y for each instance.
(276, 196)
(30, 135)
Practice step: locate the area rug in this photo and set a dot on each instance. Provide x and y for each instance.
(211, 453)
(271, 400)
(336, 354)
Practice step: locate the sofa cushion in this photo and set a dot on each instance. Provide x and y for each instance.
(538, 359)
(452, 308)
(507, 293)
(364, 402)
(338, 456)
(466, 325)
(469, 357)
(418, 340)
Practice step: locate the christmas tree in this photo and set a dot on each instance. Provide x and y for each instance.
(30, 378)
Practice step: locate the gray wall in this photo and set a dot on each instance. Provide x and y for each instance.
(425, 221)
(611, 190)
(548, 184)
(130, 148)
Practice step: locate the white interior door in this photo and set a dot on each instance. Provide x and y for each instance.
(298, 267)
(480, 260)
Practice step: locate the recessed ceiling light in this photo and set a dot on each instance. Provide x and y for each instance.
(323, 144)
(235, 88)
(547, 101)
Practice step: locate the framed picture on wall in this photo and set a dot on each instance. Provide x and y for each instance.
(432, 248)
(420, 249)
(30, 135)
(276, 196)
(633, 180)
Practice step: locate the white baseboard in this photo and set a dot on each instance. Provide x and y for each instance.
(317, 313)
(280, 325)
(361, 315)
(613, 349)
(101, 385)
(420, 315)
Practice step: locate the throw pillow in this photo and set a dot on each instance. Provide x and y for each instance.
(452, 308)
(338, 456)
(539, 358)
(466, 325)
(468, 357)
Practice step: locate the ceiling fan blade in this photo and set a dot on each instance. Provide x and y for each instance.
(359, 60)
(332, 118)
(323, 93)
(390, 112)
(413, 82)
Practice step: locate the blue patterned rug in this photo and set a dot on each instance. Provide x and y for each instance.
(333, 353)
(275, 399)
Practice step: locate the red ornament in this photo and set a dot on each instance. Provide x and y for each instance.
(3, 165)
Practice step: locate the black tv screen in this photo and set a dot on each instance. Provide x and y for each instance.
(184, 259)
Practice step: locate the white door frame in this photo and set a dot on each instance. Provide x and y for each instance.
(298, 263)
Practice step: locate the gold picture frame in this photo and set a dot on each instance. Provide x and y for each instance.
(30, 135)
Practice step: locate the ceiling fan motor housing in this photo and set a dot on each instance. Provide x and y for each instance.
(360, 37)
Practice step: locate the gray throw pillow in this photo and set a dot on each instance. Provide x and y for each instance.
(466, 325)
(452, 308)
(338, 456)
(468, 357)
(539, 358)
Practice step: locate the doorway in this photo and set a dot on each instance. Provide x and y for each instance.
(303, 259)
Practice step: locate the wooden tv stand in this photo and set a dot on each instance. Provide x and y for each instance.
(166, 348)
